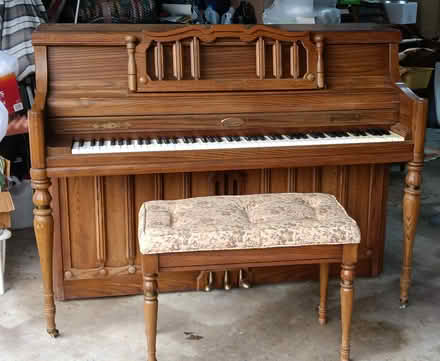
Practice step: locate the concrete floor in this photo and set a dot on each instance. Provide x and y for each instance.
(276, 323)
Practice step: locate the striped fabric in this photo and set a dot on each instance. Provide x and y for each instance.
(18, 19)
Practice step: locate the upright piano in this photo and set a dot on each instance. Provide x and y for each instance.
(129, 113)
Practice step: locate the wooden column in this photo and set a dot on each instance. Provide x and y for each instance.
(411, 201)
(43, 219)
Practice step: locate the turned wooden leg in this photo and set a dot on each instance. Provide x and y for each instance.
(347, 277)
(411, 211)
(323, 284)
(150, 313)
(43, 226)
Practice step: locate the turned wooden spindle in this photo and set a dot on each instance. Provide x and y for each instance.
(324, 268)
(347, 292)
(411, 211)
(415, 109)
(43, 226)
(132, 74)
(150, 312)
(319, 40)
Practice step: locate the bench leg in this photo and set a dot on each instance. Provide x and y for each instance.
(150, 313)
(347, 277)
(323, 293)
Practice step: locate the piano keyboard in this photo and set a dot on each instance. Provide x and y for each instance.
(161, 144)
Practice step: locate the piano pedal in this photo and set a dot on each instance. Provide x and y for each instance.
(227, 281)
(243, 281)
(210, 284)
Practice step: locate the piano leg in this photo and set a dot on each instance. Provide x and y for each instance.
(43, 226)
(411, 211)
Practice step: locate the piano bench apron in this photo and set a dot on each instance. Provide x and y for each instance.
(235, 232)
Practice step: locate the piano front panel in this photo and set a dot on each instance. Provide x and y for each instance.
(97, 217)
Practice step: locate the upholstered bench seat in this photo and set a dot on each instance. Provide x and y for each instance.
(244, 222)
(223, 233)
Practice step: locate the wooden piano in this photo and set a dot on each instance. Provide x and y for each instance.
(126, 113)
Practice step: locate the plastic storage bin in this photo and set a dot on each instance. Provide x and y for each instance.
(402, 13)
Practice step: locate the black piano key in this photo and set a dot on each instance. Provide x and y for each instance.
(272, 137)
(193, 140)
(147, 141)
(101, 142)
(159, 140)
(174, 140)
(229, 138)
(141, 141)
(261, 137)
(219, 139)
(204, 139)
(279, 136)
(211, 139)
(166, 140)
(113, 141)
(314, 135)
(248, 138)
(93, 142)
(120, 141)
(185, 140)
(81, 142)
(128, 141)
(237, 138)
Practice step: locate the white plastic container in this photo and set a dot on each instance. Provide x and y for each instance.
(401, 13)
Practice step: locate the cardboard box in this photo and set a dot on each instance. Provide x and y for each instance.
(6, 207)
(6, 204)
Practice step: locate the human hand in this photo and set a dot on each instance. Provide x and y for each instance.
(18, 125)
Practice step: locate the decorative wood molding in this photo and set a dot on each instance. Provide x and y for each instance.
(98, 273)
(187, 185)
(291, 180)
(100, 221)
(265, 186)
(132, 77)
(158, 186)
(161, 46)
(130, 233)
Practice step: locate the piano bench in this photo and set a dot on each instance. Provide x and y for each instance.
(232, 232)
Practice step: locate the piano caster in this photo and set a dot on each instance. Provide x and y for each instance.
(227, 281)
(210, 283)
(403, 305)
(53, 333)
(243, 282)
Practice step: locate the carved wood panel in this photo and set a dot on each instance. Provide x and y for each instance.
(226, 58)
(97, 222)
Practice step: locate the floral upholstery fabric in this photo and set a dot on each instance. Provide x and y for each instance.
(244, 222)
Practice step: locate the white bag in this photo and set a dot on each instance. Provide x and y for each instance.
(4, 116)
(8, 64)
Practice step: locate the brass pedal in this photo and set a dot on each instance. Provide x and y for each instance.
(243, 281)
(210, 283)
(227, 281)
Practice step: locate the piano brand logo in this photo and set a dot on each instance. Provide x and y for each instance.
(232, 122)
(112, 125)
